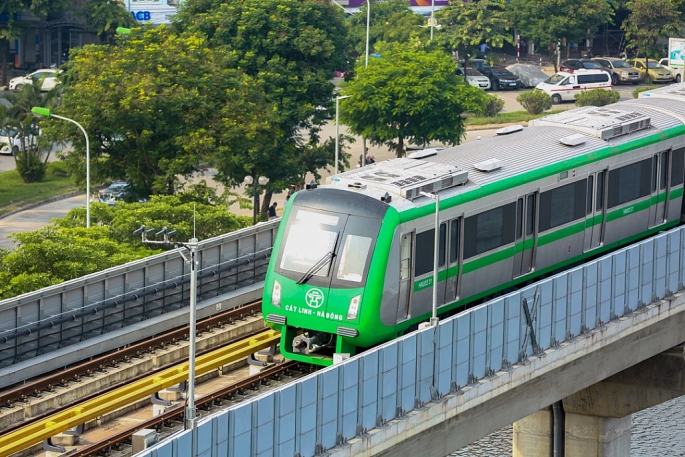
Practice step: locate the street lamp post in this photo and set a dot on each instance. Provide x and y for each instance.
(250, 181)
(432, 17)
(337, 128)
(436, 197)
(46, 112)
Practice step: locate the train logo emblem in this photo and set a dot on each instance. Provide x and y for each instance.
(314, 298)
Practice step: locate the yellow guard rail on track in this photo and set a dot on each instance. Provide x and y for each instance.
(50, 426)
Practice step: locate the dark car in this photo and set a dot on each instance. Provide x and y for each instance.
(571, 65)
(501, 78)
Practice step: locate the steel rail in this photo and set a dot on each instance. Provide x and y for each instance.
(121, 355)
(176, 412)
(74, 416)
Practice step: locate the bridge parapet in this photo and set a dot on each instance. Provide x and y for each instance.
(435, 390)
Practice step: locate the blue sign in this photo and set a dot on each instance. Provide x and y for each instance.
(141, 15)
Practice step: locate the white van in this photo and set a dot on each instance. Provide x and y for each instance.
(563, 86)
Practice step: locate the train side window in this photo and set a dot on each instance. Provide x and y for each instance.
(599, 202)
(562, 205)
(488, 230)
(443, 242)
(664, 170)
(590, 184)
(519, 218)
(454, 240)
(530, 215)
(425, 242)
(677, 165)
(629, 183)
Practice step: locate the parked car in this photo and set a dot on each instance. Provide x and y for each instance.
(10, 141)
(474, 78)
(657, 73)
(675, 71)
(49, 76)
(117, 192)
(571, 65)
(621, 71)
(530, 75)
(501, 78)
(563, 86)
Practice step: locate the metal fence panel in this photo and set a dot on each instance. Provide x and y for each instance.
(647, 272)
(221, 437)
(575, 302)
(513, 328)
(633, 267)
(590, 293)
(618, 285)
(605, 280)
(560, 286)
(263, 431)
(306, 416)
(495, 336)
(479, 325)
(672, 282)
(205, 438)
(368, 384)
(426, 364)
(660, 266)
(388, 385)
(443, 358)
(284, 432)
(328, 407)
(545, 313)
(408, 349)
(349, 399)
(462, 350)
(184, 444)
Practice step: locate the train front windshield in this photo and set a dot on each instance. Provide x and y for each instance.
(322, 247)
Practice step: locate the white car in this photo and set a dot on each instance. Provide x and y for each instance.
(474, 77)
(10, 141)
(675, 71)
(49, 82)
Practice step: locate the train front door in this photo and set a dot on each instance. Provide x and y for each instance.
(658, 208)
(406, 272)
(595, 205)
(526, 234)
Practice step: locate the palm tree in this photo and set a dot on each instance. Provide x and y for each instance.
(104, 16)
(30, 160)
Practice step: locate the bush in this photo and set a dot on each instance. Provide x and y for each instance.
(59, 169)
(535, 101)
(637, 90)
(30, 167)
(597, 97)
(490, 107)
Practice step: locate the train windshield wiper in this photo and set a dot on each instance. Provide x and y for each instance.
(316, 267)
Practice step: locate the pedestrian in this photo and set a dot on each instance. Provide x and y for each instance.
(272, 211)
(484, 48)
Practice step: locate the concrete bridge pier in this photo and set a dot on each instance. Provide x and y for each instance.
(597, 418)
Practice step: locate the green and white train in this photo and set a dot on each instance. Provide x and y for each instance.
(352, 264)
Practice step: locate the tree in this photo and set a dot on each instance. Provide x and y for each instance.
(391, 21)
(104, 16)
(649, 21)
(292, 48)
(465, 25)
(551, 21)
(408, 95)
(31, 160)
(14, 29)
(156, 108)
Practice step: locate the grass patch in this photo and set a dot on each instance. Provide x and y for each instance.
(14, 193)
(506, 118)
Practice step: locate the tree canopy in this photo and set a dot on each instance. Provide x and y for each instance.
(291, 48)
(409, 95)
(104, 16)
(649, 21)
(156, 108)
(552, 20)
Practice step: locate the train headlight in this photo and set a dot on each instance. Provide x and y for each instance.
(354, 308)
(276, 294)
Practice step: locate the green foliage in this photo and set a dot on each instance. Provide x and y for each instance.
(104, 16)
(156, 108)
(535, 101)
(465, 25)
(649, 21)
(490, 106)
(597, 97)
(408, 96)
(14, 192)
(390, 21)
(545, 22)
(35, 150)
(58, 168)
(637, 90)
(509, 117)
(66, 249)
(292, 48)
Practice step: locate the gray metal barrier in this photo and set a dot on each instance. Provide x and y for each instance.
(313, 415)
(55, 317)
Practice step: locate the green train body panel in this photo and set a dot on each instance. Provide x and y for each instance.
(316, 315)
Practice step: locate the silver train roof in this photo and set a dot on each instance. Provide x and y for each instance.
(517, 149)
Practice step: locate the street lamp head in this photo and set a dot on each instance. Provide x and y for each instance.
(41, 111)
(342, 97)
(263, 180)
(248, 180)
(123, 31)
